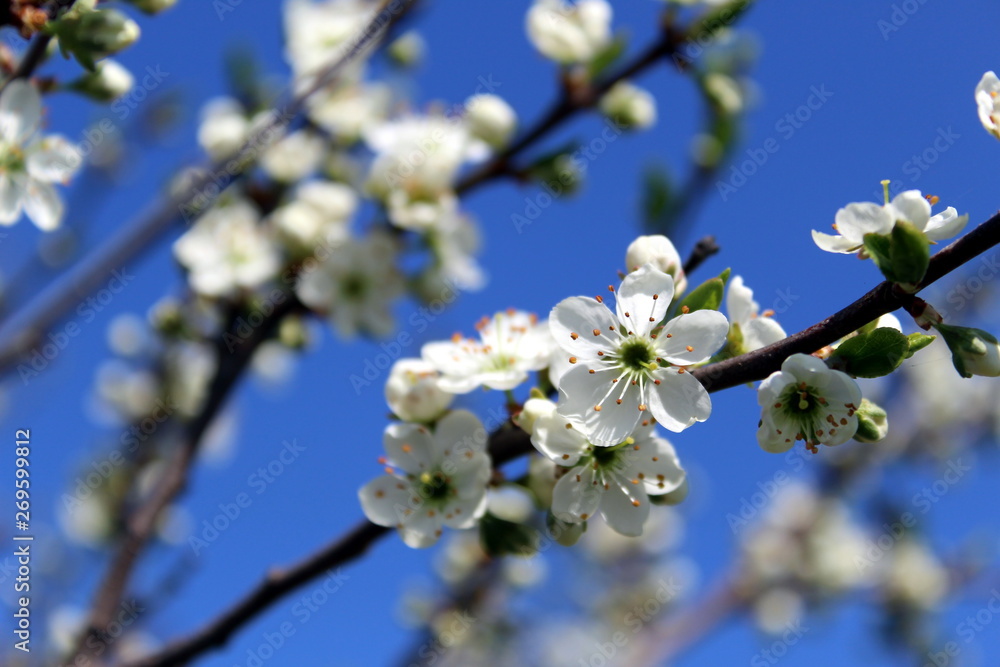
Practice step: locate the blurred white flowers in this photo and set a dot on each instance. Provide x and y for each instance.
(570, 33)
(988, 101)
(29, 165)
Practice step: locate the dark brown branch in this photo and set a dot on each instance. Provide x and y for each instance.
(35, 54)
(509, 442)
(703, 249)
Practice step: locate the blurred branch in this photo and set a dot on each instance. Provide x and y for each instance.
(143, 521)
(16, 339)
(35, 54)
(509, 442)
(703, 249)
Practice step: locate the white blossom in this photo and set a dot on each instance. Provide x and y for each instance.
(348, 110)
(755, 331)
(629, 106)
(355, 285)
(29, 165)
(294, 157)
(511, 344)
(615, 481)
(317, 34)
(228, 250)
(806, 400)
(570, 33)
(661, 253)
(628, 365)
(318, 213)
(988, 101)
(412, 391)
(491, 119)
(438, 479)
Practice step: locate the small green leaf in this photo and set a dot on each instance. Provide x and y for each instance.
(911, 253)
(706, 296)
(879, 249)
(873, 422)
(871, 355)
(505, 538)
(918, 341)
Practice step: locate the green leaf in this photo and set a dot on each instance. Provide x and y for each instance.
(505, 538)
(879, 248)
(911, 253)
(706, 296)
(918, 341)
(718, 19)
(608, 56)
(871, 355)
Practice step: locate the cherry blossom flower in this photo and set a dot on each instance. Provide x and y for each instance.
(615, 481)
(858, 219)
(511, 344)
(807, 401)
(988, 101)
(438, 479)
(754, 331)
(658, 250)
(228, 250)
(29, 165)
(627, 366)
(412, 391)
(570, 34)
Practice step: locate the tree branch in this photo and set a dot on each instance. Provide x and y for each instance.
(509, 442)
(35, 54)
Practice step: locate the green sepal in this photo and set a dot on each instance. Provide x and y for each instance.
(902, 256)
(918, 341)
(871, 355)
(708, 295)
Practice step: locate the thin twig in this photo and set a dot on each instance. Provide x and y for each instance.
(35, 55)
(509, 442)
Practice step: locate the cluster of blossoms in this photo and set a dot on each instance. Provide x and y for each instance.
(619, 373)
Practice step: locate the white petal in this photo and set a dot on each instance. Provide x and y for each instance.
(739, 302)
(855, 220)
(43, 205)
(643, 299)
(946, 224)
(576, 497)
(421, 530)
(384, 500)
(20, 111)
(704, 331)
(11, 199)
(563, 445)
(771, 387)
(679, 400)
(53, 159)
(771, 441)
(837, 244)
(409, 446)
(584, 391)
(656, 459)
(806, 368)
(465, 512)
(912, 206)
(457, 430)
(625, 506)
(761, 332)
(579, 316)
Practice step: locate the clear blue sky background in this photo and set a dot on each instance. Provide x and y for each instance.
(891, 98)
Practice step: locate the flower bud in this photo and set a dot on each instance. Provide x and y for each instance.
(568, 33)
(661, 253)
(152, 6)
(973, 351)
(91, 35)
(408, 49)
(412, 392)
(532, 410)
(106, 83)
(630, 107)
(491, 119)
(873, 422)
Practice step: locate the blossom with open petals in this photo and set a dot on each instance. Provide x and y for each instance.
(627, 366)
(29, 165)
(806, 400)
(615, 481)
(510, 345)
(988, 101)
(438, 479)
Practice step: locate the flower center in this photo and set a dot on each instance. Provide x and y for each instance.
(434, 486)
(354, 286)
(636, 354)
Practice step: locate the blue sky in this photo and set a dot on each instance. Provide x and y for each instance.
(891, 96)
